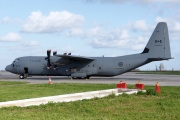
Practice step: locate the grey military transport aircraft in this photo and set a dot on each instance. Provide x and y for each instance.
(157, 49)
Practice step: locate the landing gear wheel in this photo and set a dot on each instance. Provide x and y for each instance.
(21, 76)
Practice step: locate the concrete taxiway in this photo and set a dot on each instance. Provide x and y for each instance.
(129, 78)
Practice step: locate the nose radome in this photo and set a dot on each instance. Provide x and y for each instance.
(8, 68)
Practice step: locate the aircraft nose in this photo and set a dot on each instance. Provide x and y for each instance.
(8, 68)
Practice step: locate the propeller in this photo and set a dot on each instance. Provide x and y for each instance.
(48, 59)
(55, 67)
(55, 52)
(49, 62)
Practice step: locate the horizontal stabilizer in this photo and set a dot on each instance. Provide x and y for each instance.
(158, 59)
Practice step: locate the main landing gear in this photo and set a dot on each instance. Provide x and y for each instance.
(21, 76)
(80, 77)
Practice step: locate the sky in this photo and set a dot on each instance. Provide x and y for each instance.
(91, 28)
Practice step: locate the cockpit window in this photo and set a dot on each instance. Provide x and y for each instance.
(16, 60)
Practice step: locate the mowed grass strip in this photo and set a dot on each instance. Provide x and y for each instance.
(160, 72)
(12, 83)
(165, 106)
(16, 90)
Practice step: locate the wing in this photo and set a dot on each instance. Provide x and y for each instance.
(74, 57)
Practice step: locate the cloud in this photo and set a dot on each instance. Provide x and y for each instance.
(54, 22)
(134, 1)
(102, 37)
(75, 32)
(173, 25)
(10, 37)
(140, 34)
(30, 44)
(68, 49)
(139, 25)
(5, 20)
(125, 43)
(108, 44)
(155, 1)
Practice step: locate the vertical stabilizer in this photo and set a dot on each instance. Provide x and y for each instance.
(158, 45)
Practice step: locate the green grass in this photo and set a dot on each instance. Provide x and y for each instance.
(164, 106)
(160, 72)
(21, 90)
(11, 83)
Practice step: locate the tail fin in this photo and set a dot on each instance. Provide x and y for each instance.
(158, 47)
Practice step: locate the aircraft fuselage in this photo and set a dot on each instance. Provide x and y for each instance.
(100, 66)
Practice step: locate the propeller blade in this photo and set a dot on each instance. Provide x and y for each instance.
(48, 59)
(55, 67)
(55, 52)
(48, 53)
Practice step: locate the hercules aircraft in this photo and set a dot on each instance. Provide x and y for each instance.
(157, 49)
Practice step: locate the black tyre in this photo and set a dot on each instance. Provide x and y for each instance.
(21, 76)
